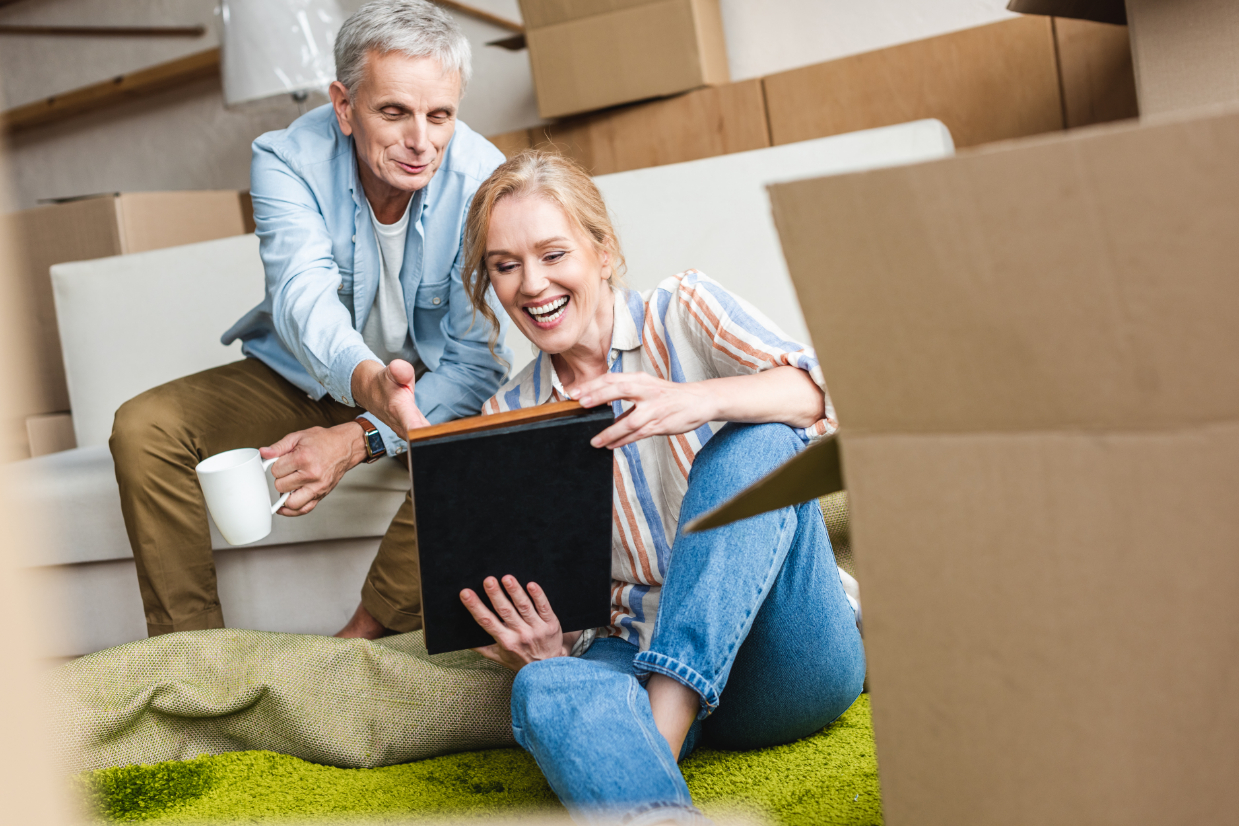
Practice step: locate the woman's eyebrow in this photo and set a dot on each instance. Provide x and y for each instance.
(546, 242)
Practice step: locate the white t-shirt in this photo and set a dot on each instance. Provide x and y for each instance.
(387, 329)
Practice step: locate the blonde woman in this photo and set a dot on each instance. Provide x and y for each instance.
(742, 635)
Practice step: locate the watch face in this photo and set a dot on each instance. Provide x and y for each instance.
(374, 443)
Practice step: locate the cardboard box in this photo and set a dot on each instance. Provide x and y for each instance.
(986, 84)
(512, 143)
(1184, 50)
(1033, 352)
(96, 227)
(717, 120)
(1095, 67)
(592, 54)
(50, 433)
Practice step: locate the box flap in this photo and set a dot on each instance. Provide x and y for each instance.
(814, 472)
(1100, 11)
(1077, 281)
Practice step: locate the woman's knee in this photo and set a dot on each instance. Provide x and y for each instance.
(759, 448)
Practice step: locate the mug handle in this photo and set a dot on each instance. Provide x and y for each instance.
(279, 503)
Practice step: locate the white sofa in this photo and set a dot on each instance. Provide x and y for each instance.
(132, 322)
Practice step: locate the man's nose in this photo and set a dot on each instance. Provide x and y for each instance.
(417, 135)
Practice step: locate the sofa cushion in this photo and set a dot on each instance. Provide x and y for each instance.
(75, 495)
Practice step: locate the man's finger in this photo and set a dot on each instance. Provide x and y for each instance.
(281, 447)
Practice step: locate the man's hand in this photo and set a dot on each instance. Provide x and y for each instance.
(526, 629)
(387, 392)
(312, 462)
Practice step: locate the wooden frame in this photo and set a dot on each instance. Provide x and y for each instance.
(475, 424)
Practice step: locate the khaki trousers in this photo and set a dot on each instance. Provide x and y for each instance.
(158, 438)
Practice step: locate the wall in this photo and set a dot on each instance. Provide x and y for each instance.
(183, 139)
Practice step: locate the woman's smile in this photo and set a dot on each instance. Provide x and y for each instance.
(548, 314)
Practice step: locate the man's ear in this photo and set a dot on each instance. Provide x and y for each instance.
(342, 103)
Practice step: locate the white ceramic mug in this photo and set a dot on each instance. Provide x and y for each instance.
(235, 485)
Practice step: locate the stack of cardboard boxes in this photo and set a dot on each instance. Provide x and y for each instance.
(82, 229)
(1034, 352)
(1005, 80)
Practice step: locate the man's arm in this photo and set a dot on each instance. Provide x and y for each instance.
(303, 279)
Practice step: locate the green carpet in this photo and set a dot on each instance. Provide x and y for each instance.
(828, 778)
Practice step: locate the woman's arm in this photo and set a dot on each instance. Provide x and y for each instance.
(663, 408)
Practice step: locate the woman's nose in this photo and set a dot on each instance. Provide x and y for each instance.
(533, 281)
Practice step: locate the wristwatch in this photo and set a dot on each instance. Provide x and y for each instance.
(375, 449)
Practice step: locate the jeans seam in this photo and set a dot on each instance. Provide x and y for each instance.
(648, 662)
(772, 574)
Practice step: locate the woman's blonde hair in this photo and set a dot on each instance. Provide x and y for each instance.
(562, 182)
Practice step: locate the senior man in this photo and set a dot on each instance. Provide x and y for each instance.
(360, 208)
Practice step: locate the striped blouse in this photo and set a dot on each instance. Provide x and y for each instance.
(688, 328)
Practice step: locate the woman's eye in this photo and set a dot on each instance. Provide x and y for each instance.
(505, 268)
(552, 257)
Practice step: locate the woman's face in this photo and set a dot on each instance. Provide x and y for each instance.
(547, 273)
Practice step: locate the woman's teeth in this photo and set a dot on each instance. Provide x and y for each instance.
(551, 311)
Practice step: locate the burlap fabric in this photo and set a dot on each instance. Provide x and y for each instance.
(346, 703)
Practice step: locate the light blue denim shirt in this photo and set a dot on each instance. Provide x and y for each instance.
(322, 267)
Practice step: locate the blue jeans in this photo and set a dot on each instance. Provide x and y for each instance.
(752, 617)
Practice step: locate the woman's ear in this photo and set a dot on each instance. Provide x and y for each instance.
(604, 255)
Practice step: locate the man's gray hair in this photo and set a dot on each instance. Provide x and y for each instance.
(412, 27)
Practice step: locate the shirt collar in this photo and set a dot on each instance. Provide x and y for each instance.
(626, 326)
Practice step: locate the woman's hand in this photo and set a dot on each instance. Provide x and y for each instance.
(664, 408)
(526, 629)
(661, 408)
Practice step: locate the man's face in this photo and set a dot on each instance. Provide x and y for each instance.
(401, 116)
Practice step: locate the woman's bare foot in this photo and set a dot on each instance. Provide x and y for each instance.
(362, 626)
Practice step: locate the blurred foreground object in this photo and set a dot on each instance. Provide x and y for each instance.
(1036, 363)
(275, 47)
(28, 788)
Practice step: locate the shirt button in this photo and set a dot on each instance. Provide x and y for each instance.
(435, 300)
(354, 239)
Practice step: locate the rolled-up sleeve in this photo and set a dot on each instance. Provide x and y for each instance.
(302, 276)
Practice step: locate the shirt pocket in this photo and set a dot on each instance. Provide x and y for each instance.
(432, 296)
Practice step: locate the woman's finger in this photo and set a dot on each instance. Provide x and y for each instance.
(519, 599)
(482, 615)
(541, 602)
(614, 436)
(499, 601)
(634, 387)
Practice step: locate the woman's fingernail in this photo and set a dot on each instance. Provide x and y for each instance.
(586, 401)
